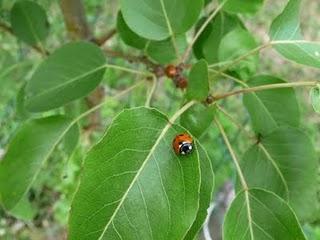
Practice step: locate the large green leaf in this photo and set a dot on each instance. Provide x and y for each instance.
(242, 6)
(271, 108)
(286, 28)
(134, 186)
(235, 44)
(206, 192)
(127, 35)
(69, 73)
(164, 52)
(29, 22)
(198, 84)
(260, 215)
(28, 150)
(208, 43)
(155, 19)
(197, 119)
(285, 162)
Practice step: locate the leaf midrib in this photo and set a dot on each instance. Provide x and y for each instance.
(134, 180)
(72, 80)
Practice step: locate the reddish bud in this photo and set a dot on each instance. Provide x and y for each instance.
(171, 71)
(181, 83)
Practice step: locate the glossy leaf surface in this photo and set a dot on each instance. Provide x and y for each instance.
(286, 33)
(71, 72)
(285, 162)
(271, 108)
(28, 150)
(133, 180)
(259, 214)
(29, 22)
(159, 19)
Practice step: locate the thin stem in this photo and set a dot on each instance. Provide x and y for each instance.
(152, 91)
(218, 64)
(278, 42)
(234, 121)
(130, 58)
(246, 55)
(103, 39)
(169, 28)
(181, 111)
(120, 94)
(233, 155)
(149, 74)
(229, 76)
(200, 31)
(264, 87)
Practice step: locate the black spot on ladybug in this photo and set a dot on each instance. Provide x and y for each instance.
(186, 148)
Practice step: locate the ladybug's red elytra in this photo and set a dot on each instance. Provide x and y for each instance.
(183, 144)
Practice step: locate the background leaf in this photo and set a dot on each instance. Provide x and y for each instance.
(240, 6)
(208, 43)
(285, 162)
(197, 119)
(128, 36)
(150, 18)
(198, 83)
(271, 108)
(286, 27)
(29, 22)
(24, 210)
(133, 181)
(164, 52)
(268, 216)
(236, 43)
(71, 72)
(31, 146)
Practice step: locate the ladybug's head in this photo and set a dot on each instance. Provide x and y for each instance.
(186, 148)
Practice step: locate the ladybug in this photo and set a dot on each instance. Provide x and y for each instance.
(183, 144)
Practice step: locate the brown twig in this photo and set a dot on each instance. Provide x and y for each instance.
(104, 38)
(156, 69)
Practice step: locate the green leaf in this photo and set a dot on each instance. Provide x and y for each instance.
(71, 72)
(207, 45)
(164, 52)
(71, 139)
(285, 162)
(271, 108)
(197, 119)
(315, 98)
(128, 36)
(206, 192)
(235, 44)
(286, 28)
(241, 6)
(24, 210)
(198, 83)
(261, 215)
(134, 186)
(29, 22)
(159, 19)
(21, 112)
(28, 150)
